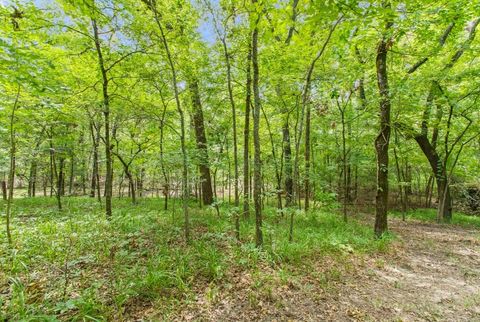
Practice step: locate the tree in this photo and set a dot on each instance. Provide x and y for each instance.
(257, 165)
(383, 138)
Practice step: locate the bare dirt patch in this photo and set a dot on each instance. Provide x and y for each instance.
(431, 274)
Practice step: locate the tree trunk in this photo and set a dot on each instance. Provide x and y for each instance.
(257, 166)
(52, 181)
(11, 171)
(153, 8)
(246, 139)
(58, 179)
(234, 128)
(4, 190)
(106, 114)
(278, 174)
(307, 158)
(131, 184)
(71, 179)
(202, 147)
(444, 211)
(287, 154)
(383, 139)
(344, 163)
(400, 187)
(444, 198)
(32, 181)
(166, 185)
(95, 143)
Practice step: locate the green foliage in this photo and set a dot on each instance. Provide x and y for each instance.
(76, 265)
(431, 216)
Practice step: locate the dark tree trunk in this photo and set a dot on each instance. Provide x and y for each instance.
(106, 114)
(71, 179)
(4, 190)
(52, 174)
(257, 164)
(11, 170)
(61, 177)
(95, 142)
(201, 138)
(444, 198)
(32, 180)
(287, 153)
(383, 139)
(58, 178)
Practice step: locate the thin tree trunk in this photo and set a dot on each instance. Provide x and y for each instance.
(287, 153)
(32, 182)
(400, 188)
(166, 186)
(106, 114)
(153, 8)
(344, 162)
(307, 158)
(278, 174)
(234, 126)
(246, 139)
(95, 142)
(11, 172)
(72, 174)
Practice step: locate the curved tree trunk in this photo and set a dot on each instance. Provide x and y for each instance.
(383, 139)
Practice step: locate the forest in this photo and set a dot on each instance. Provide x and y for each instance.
(240, 160)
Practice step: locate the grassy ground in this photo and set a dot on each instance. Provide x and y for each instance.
(76, 265)
(430, 215)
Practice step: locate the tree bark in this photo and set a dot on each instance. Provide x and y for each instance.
(287, 153)
(11, 171)
(95, 144)
(383, 139)
(106, 114)
(71, 179)
(443, 191)
(202, 146)
(32, 180)
(246, 139)
(4, 190)
(166, 185)
(257, 164)
(307, 158)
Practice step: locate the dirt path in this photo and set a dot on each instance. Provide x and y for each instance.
(431, 274)
(434, 275)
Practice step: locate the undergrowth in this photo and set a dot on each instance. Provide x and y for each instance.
(430, 215)
(76, 265)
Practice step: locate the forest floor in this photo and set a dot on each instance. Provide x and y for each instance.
(430, 273)
(75, 265)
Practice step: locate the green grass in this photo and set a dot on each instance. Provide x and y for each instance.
(430, 215)
(76, 265)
